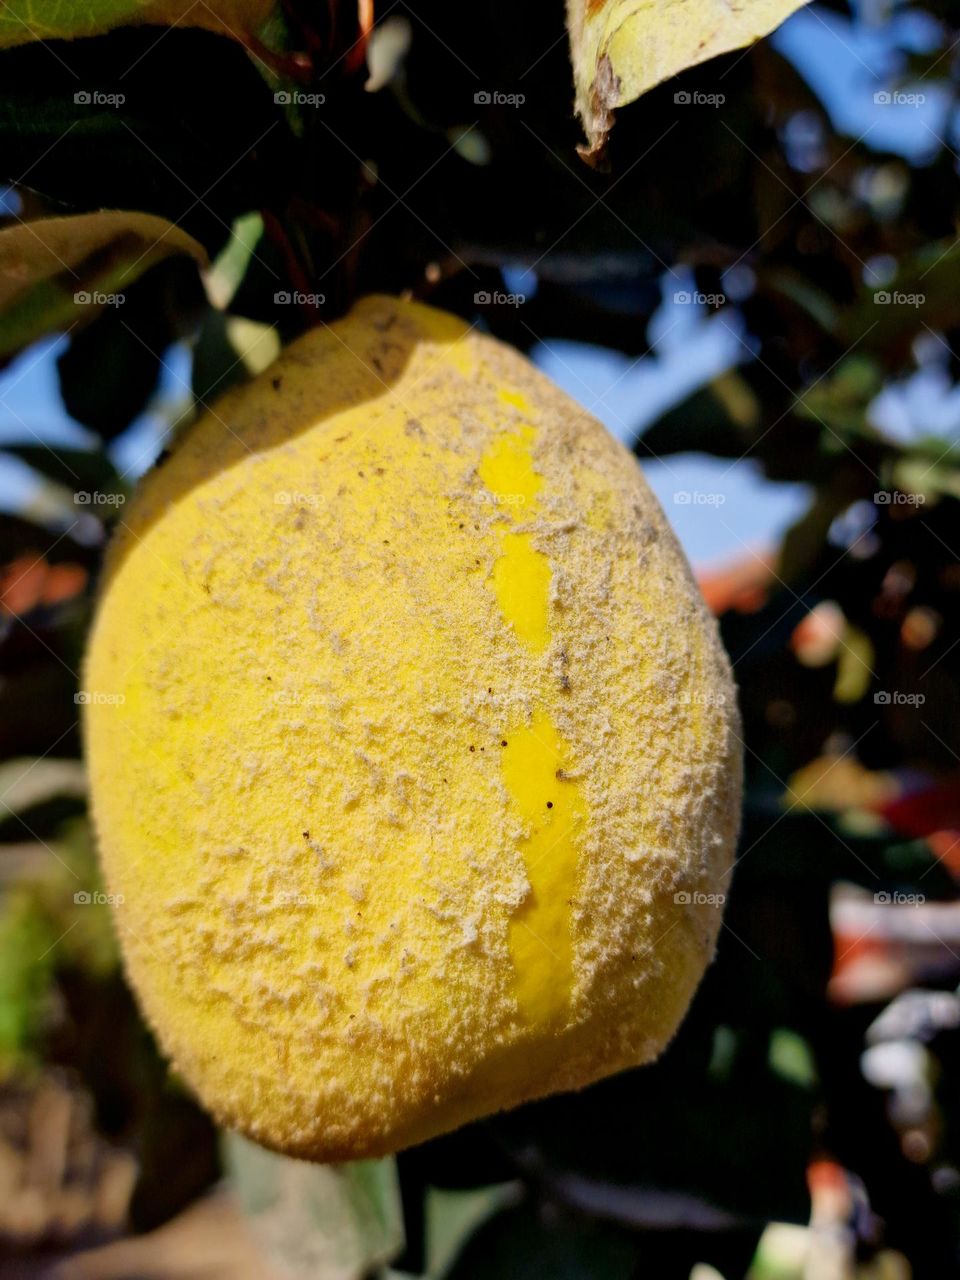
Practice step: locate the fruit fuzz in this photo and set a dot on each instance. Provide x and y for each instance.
(425, 784)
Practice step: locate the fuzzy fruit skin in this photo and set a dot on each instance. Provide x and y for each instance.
(425, 734)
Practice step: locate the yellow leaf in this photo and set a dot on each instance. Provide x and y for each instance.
(55, 272)
(620, 49)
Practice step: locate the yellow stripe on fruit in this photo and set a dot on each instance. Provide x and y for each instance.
(553, 810)
(550, 806)
(521, 581)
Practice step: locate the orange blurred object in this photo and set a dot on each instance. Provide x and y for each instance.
(742, 586)
(29, 582)
(817, 637)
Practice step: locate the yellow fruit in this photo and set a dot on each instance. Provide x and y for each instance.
(413, 748)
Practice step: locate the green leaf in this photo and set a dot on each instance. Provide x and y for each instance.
(929, 479)
(803, 543)
(792, 1058)
(922, 295)
(453, 1216)
(813, 301)
(73, 468)
(110, 371)
(58, 272)
(22, 21)
(26, 973)
(340, 1222)
(230, 265)
(840, 400)
(71, 896)
(525, 1245)
(721, 418)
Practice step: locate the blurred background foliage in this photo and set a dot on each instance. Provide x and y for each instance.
(790, 215)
